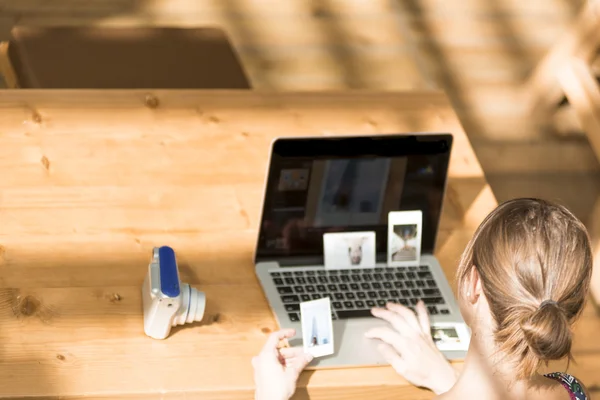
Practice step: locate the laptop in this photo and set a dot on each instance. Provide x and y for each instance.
(378, 174)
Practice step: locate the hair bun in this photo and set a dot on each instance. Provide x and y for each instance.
(547, 332)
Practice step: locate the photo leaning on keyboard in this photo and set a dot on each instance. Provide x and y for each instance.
(353, 292)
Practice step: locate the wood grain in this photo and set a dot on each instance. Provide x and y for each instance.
(595, 235)
(472, 46)
(6, 69)
(538, 158)
(583, 93)
(94, 179)
(580, 41)
(479, 52)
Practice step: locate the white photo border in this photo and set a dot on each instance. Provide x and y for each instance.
(330, 261)
(464, 336)
(395, 218)
(325, 304)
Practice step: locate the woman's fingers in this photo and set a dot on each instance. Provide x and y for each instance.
(388, 336)
(295, 357)
(274, 339)
(423, 318)
(406, 313)
(291, 352)
(399, 316)
(393, 318)
(295, 365)
(393, 358)
(301, 361)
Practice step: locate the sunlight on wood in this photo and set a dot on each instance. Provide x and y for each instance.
(478, 51)
(581, 41)
(328, 34)
(7, 72)
(471, 8)
(97, 178)
(481, 206)
(583, 92)
(481, 50)
(595, 235)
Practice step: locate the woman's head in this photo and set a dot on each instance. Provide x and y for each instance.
(534, 262)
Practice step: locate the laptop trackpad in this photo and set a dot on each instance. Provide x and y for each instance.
(351, 346)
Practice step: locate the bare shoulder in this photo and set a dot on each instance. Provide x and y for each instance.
(553, 391)
(559, 386)
(556, 386)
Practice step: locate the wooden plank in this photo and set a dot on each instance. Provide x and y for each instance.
(581, 41)
(296, 31)
(6, 69)
(230, 122)
(331, 45)
(468, 30)
(577, 191)
(277, 37)
(583, 93)
(258, 8)
(323, 68)
(353, 51)
(594, 228)
(565, 122)
(76, 243)
(370, 49)
(53, 341)
(595, 67)
(94, 179)
(496, 68)
(544, 156)
(357, 31)
(473, 8)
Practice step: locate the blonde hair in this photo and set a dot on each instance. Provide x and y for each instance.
(534, 261)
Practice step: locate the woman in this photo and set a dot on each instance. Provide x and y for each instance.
(522, 282)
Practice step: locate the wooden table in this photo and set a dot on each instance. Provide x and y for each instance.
(92, 180)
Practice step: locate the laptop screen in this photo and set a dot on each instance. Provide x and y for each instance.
(345, 184)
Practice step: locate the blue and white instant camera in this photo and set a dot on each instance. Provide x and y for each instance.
(167, 301)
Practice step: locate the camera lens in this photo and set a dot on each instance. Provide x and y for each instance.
(197, 302)
(192, 306)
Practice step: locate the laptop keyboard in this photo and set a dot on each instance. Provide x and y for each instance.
(353, 292)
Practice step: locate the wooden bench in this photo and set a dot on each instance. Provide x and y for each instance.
(120, 58)
(94, 179)
(567, 71)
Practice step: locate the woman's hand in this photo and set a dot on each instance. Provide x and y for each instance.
(410, 349)
(277, 370)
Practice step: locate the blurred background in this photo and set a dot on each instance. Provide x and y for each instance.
(480, 52)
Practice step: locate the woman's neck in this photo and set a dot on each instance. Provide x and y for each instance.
(486, 373)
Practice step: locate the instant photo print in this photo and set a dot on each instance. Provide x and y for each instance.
(348, 250)
(317, 327)
(404, 237)
(451, 336)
